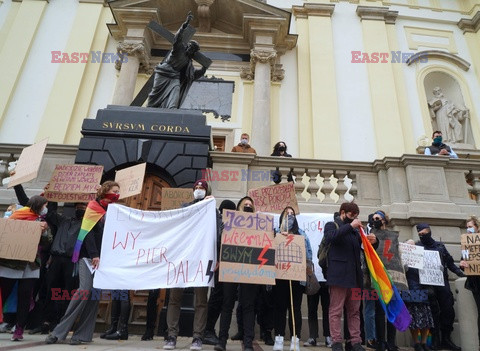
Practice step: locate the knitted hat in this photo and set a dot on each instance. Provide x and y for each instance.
(202, 182)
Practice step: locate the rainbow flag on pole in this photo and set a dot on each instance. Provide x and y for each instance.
(389, 297)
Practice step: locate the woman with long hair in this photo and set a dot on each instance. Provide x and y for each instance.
(87, 255)
(23, 272)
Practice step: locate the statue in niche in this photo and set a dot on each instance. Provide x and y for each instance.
(450, 119)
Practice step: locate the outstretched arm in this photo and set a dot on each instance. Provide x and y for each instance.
(179, 34)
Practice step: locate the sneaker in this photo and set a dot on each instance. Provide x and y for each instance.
(221, 346)
(51, 339)
(18, 334)
(210, 338)
(337, 346)
(170, 343)
(310, 342)
(295, 344)
(328, 341)
(278, 346)
(357, 347)
(196, 344)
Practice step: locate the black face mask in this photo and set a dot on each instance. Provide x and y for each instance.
(347, 220)
(426, 238)
(247, 209)
(79, 213)
(281, 148)
(377, 224)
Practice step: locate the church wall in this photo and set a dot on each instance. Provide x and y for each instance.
(8, 12)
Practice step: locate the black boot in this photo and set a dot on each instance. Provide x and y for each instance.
(114, 317)
(238, 336)
(122, 331)
(447, 343)
(267, 338)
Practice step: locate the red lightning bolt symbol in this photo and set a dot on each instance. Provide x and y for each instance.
(386, 248)
(288, 266)
(289, 239)
(260, 257)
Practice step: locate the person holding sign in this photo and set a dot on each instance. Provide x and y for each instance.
(287, 294)
(443, 294)
(345, 273)
(473, 281)
(23, 272)
(86, 254)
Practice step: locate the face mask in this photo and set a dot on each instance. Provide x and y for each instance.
(112, 197)
(469, 230)
(291, 220)
(377, 224)
(426, 238)
(281, 148)
(79, 213)
(437, 140)
(347, 220)
(199, 194)
(44, 211)
(7, 214)
(247, 209)
(244, 141)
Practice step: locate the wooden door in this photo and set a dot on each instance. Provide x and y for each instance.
(150, 199)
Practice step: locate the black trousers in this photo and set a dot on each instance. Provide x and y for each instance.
(152, 310)
(476, 296)
(323, 296)
(380, 326)
(24, 293)
(215, 302)
(246, 297)
(281, 296)
(264, 308)
(446, 315)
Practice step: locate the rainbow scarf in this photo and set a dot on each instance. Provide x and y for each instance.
(390, 299)
(25, 213)
(92, 215)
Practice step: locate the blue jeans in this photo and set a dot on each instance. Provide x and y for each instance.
(370, 333)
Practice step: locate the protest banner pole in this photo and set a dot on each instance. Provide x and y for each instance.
(293, 318)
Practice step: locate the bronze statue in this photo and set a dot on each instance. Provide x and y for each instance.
(175, 74)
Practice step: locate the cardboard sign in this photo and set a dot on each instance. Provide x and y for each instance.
(74, 183)
(19, 239)
(173, 198)
(471, 253)
(290, 257)
(131, 180)
(274, 198)
(247, 254)
(432, 272)
(389, 254)
(412, 255)
(28, 163)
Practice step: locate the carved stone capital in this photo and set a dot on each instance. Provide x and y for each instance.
(129, 49)
(470, 25)
(308, 9)
(374, 13)
(203, 14)
(278, 73)
(263, 56)
(247, 73)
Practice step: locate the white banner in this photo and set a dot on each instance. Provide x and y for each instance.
(432, 272)
(412, 255)
(144, 250)
(313, 225)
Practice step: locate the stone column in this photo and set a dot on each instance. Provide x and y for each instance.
(133, 53)
(262, 60)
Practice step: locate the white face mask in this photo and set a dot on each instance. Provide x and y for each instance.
(199, 194)
(44, 211)
(471, 230)
(244, 141)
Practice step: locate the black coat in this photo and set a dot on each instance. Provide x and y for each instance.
(344, 266)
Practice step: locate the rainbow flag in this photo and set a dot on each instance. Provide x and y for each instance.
(92, 215)
(390, 299)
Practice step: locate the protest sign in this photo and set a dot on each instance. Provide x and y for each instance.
(432, 272)
(247, 254)
(131, 180)
(28, 163)
(412, 255)
(19, 239)
(388, 252)
(74, 183)
(290, 257)
(312, 224)
(144, 250)
(471, 253)
(175, 197)
(274, 198)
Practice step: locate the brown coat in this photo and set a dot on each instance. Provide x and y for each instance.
(247, 149)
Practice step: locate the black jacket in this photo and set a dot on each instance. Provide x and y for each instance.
(92, 244)
(344, 265)
(67, 233)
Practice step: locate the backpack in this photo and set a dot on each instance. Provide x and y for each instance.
(322, 255)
